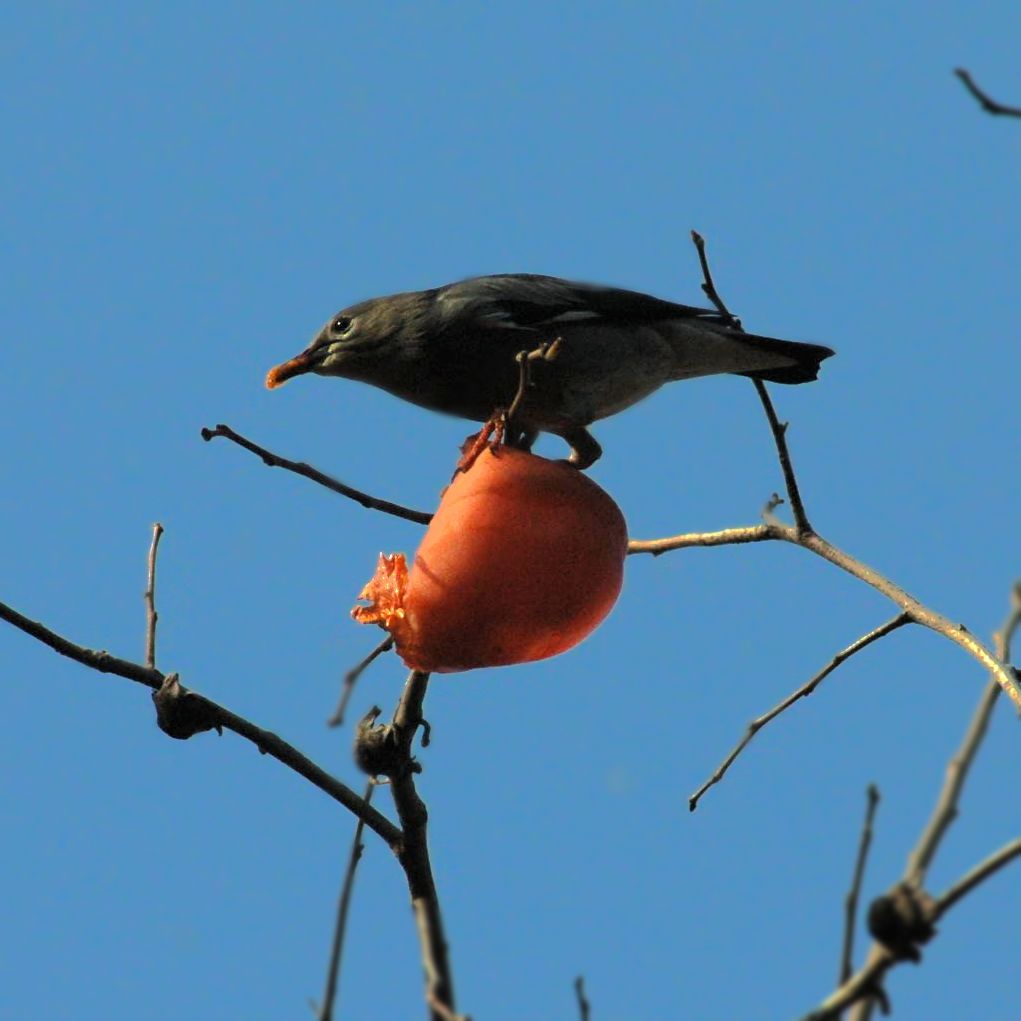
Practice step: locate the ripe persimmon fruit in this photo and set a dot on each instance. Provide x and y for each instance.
(522, 560)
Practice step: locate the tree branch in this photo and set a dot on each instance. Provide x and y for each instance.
(709, 285)
(386, 750)
(724, 537)
(777, 428)
(979, 874)
(267, 742)
(151, 616)
(325, 1010)
(851, 901)
(868, 980)
(351, 678)
(308, 472)
(919, 612)
(987, 103)
(779, 431)
(806, 689)
(865, 986)
(945, 811)
(579, 994)
(414, 853)
(813, 542)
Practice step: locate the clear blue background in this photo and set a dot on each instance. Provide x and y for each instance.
(188, 193)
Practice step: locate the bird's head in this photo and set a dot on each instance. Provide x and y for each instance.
(358, 342)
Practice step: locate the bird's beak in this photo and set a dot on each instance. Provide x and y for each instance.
(279, 374)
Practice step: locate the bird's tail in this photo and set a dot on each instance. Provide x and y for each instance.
(803, 365)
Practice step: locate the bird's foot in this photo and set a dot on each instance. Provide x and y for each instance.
(585, 449)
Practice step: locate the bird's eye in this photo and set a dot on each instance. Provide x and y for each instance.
(341, 324)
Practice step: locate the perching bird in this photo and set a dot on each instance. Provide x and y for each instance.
(453, 349)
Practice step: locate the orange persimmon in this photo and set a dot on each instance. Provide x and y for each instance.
(522, 560)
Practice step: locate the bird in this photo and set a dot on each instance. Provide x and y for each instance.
(453, 349)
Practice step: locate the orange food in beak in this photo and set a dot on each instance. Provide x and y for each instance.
(279, 374)
(522, 560)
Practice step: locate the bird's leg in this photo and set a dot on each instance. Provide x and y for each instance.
(585, 449)
(526, 438)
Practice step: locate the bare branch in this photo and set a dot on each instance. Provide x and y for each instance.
(865, 987)
(945, 811)
(709, 285)
(325, 1011)
(803, 535)
(806, 689)
(988, 104)
(386, 750)
(151, 616)
(1004, 675)
(779, 431)
(583, 1004)
(919, 612)
(851, 901)
(545, 352)
(441, 1010)
(725, 537)
(308, 472)
(267, 742)
(867, 981)
(94, 659)
(979, 874)
(414, 853)
(351, 678)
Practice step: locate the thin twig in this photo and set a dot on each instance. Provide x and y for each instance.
(325, 1011)
(151, 616)
(851, 901)
(579, 992)
(988, 104)
(547, 351)
(806, 689)
(1004, 675)
(351, 678)
(779, 431)
(945, 811)
(267, 742)
(308, 472)
(709, 285)
(524, 380)
(978, 874)
(778, 428)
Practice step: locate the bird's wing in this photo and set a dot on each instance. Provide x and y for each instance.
(528, 301)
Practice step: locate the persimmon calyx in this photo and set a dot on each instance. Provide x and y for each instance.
(384, 593)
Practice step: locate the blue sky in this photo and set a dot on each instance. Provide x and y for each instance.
(189, 192)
